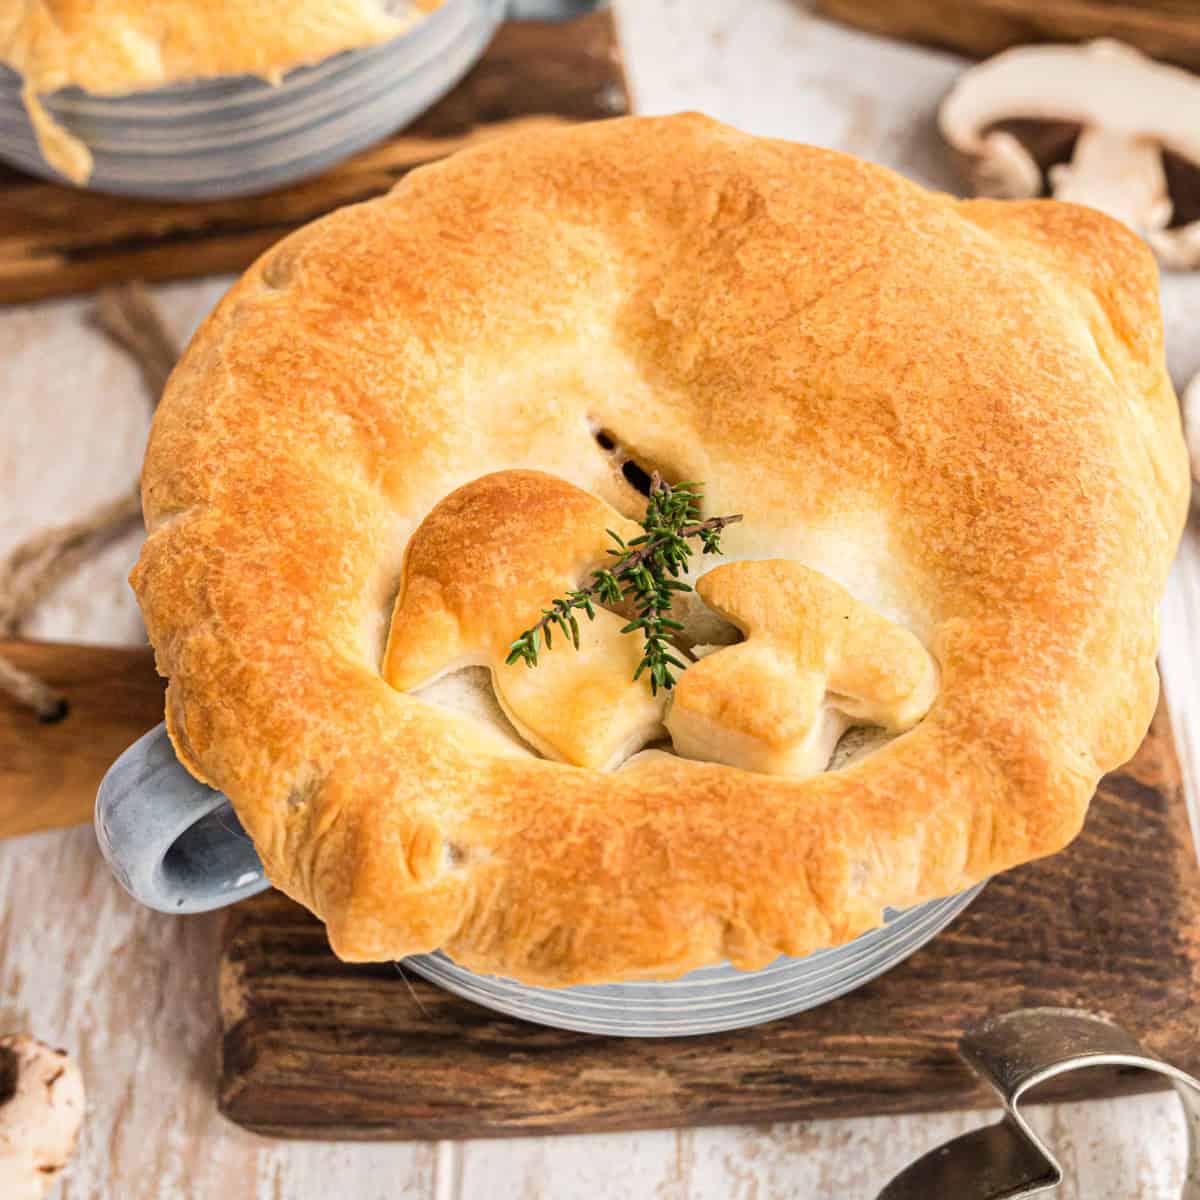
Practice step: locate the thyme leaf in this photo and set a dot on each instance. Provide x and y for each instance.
(645, 571)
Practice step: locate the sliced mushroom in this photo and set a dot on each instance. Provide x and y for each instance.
(41, 1108)
(1138, 143)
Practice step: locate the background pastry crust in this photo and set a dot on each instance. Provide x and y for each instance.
(959, 411)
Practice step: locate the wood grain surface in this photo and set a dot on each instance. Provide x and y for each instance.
(1166, 29)
(49, 772)
(315, 1048)
(134, 992)
(56, 240)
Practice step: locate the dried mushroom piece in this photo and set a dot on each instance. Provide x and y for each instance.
(41, 1109)
(1098, 124)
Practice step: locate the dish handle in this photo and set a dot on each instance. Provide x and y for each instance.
(173, 843)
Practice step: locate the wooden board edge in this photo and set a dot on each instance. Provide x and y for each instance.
(982, 28)
(241, 1097)
(59, 241)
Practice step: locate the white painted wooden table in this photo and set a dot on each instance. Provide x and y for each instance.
(132, 992)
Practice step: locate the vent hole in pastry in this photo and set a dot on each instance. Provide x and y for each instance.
(636, 476)
(636, 471)
(857, 743)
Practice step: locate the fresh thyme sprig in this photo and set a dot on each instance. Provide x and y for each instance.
(646, 571)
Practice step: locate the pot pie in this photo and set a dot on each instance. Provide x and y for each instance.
(950, 432)
(119, 47)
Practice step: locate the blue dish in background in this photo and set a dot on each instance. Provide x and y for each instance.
(239, 135)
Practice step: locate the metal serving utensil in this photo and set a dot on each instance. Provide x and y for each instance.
(1015, 1053)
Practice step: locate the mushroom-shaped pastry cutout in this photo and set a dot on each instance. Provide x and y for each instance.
(41, 1109)
(479, 570)
(1130, 128)
(815, 661)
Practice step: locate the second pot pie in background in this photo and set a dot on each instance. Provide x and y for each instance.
(120, 48)
(947, 425)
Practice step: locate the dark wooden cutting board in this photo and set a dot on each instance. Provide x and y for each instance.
(56, 240)
(1166, 29)
(312, 1047)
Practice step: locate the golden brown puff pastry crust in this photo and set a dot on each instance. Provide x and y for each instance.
(957, 412)
(114, 47)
